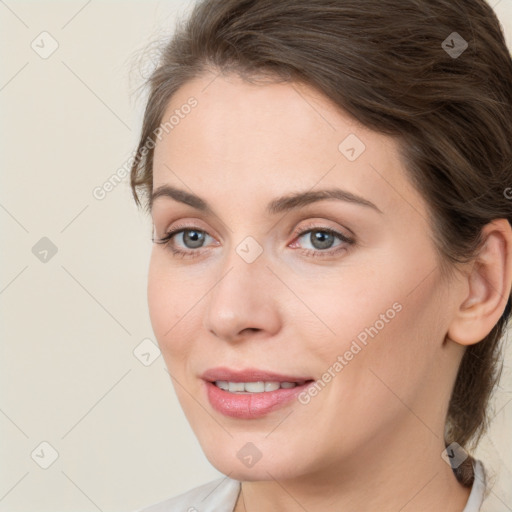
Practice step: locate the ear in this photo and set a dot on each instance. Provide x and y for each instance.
(487, 286)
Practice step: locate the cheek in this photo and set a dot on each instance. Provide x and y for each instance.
(381, 349)
(387, 315)
(344, 304)
(397, 337)
(170, 304)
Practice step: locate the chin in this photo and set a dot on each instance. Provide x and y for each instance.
(236, 463)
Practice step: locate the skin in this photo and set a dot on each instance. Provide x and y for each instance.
(379, 422)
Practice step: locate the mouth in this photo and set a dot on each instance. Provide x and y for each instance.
(252, 393)
(223, 373)
(257, 386)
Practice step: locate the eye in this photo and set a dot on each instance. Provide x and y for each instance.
(191, 237)
(186, 241)
(323, 239)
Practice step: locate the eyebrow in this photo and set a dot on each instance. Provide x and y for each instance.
(279, 205)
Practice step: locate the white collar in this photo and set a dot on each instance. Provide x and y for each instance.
(476, 496)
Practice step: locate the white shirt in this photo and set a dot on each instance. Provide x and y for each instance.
(221, 496)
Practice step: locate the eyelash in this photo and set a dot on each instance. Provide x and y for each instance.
(193, 253)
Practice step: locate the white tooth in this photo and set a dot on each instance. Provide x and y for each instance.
(236, 386)
(271, 386)
(255, 387)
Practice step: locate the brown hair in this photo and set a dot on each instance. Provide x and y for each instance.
(393, 66)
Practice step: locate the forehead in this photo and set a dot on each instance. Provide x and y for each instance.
(258, 118)
(262, 138)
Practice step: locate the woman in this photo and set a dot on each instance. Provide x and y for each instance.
(332, 266)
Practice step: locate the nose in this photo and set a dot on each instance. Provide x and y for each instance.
(243, 301)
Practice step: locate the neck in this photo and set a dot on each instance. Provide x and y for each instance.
(407, 475)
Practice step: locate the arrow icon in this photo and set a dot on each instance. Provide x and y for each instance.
(249, 454)
(454, 45)
(454, 455)
(44, 455)
(351, 147)
(45, 45)
(44, 250)
(146, 352)
(249, 250)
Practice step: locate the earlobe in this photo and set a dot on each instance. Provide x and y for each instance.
(487, 286)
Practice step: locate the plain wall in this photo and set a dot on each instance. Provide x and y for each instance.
(70, 323)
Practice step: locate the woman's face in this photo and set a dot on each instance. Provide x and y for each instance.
(346, 291)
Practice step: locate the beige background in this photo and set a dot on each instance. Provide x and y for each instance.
(68, 373)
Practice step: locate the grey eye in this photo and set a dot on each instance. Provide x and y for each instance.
(320, 239)
(192, 238)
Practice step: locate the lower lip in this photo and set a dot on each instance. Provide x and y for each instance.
(250, 405)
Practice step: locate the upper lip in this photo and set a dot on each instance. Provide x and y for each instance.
(249, 375)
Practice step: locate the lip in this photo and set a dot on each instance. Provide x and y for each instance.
(250, 405)
(249, 375)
